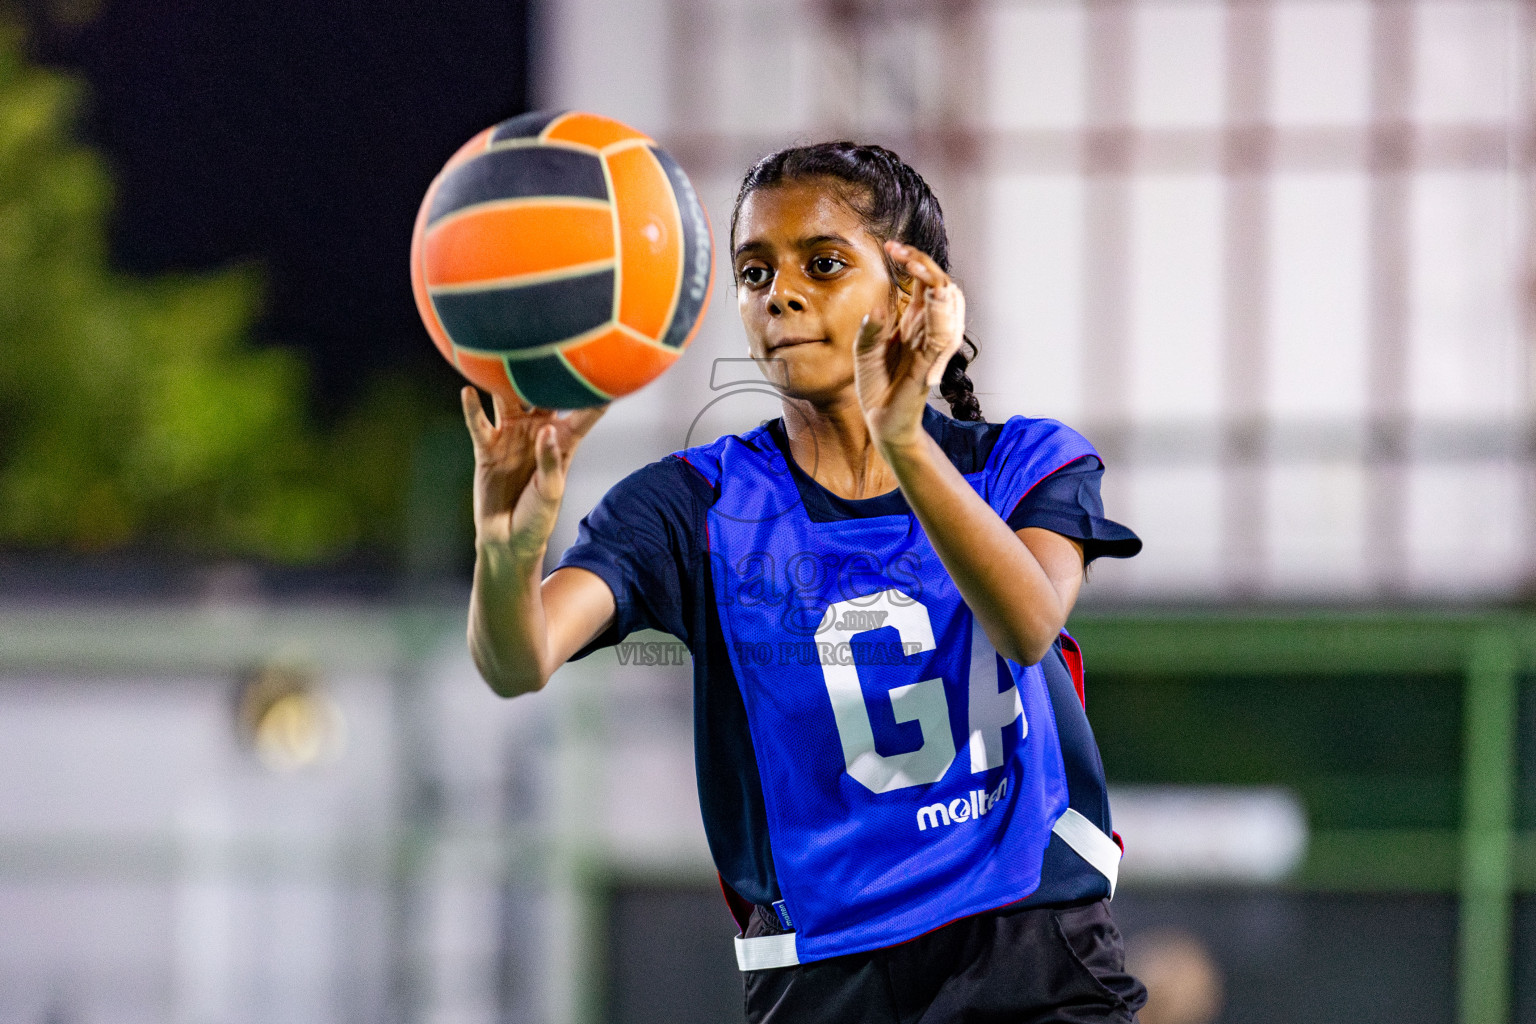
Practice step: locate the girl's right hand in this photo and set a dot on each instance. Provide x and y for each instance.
(520, 466)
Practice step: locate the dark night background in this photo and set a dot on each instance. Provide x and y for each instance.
(299, 135)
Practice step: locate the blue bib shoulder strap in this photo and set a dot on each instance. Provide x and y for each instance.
(707, 458)
(1027, 451)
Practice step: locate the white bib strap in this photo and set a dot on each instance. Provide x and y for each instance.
(766, 952)
(1091, 844)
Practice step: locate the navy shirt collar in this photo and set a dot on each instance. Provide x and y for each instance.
(825, 506)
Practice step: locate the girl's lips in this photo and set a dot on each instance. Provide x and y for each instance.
(791, 342)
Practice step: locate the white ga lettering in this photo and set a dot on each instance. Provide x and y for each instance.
(922, 702)
(965, 808)
(989, 710)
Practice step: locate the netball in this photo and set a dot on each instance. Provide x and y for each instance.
(561, 260)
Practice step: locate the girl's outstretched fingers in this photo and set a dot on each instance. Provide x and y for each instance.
(871, 357)
(870, 330)
(480, 428)
(946, 328)
(549, 466)
(919, 264)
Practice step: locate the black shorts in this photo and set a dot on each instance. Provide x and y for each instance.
(1028, 965)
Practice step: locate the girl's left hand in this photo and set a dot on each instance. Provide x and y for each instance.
(893, 370)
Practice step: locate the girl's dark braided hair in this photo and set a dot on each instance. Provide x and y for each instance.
(895, 204)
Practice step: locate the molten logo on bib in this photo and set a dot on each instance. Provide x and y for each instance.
(963, 808)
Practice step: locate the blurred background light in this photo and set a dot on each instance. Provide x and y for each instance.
(1209, 833)
(288, 721)
(1184, 984)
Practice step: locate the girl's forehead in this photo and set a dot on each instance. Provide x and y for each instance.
(798, 210)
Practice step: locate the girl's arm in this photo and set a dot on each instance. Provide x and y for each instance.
(1020, 585)
(521, 630)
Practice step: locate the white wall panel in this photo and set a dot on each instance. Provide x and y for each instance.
(1466, 354)
(1179, 63)
(1035, 66)
(1315, 513)
(1321, 63)
(766, 70)
(1467, 528)
(1176, 510)
(1031, 299)
(609, 58)
(1176, 267)
(1466, 60)
(1317, 344)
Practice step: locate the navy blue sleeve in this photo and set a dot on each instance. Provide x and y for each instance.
(640, 539)
(1068, 502)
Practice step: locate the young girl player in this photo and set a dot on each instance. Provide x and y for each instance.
(898, 781)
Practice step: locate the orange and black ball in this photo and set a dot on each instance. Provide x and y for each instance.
(561, 260)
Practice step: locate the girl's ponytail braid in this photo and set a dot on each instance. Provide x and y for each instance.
(956, 387)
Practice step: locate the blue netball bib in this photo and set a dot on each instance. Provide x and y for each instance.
(911, 775)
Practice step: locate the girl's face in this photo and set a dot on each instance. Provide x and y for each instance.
(807, 273)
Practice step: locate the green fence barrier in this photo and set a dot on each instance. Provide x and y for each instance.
(1487, 861)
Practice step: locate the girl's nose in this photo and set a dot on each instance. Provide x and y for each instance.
(784, 298)
(778, 306)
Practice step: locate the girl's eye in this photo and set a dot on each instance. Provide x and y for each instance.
(826, 265)
(754, 275)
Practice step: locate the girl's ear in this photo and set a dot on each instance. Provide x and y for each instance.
(901, 295)
(901, 285)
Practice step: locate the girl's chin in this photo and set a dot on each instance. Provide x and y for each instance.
(810, 371)
(816, 388)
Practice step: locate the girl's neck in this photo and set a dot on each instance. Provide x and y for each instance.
(832, 444)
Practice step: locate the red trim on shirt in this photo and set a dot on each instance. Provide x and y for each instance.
(741, 910)
(1074, 657)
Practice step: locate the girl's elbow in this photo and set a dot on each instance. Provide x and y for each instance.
(1029, 651)
(1039, 650)
(1034, 642)
(505, 683)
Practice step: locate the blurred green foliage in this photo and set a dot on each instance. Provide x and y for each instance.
(135, 413)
